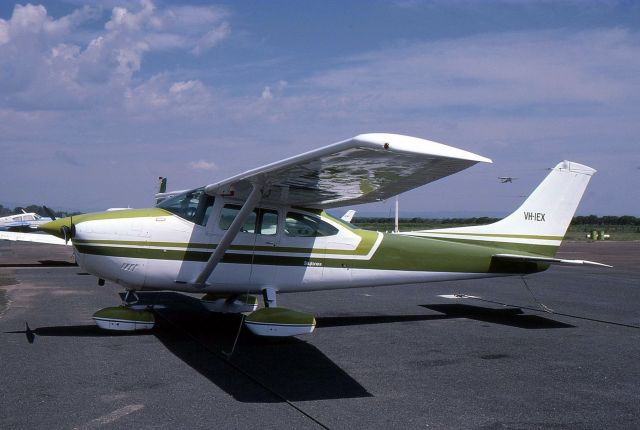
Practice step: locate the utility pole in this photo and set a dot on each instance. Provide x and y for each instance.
(395, 228)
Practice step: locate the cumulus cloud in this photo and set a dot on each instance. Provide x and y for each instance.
(212, 38)
(45, 64)
(268, 93)
(203, 165)
(159, 96)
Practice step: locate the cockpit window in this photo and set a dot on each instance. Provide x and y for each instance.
(300, 225)
(194, 206)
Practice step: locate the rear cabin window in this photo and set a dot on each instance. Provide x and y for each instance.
(260, 221)
(300, 225)
(194, 206)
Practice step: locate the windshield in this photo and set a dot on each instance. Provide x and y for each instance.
(194, 205)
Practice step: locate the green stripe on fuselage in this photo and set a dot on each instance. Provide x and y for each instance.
(503, 247)
(394, 253)
(367, 240)
(423, 233)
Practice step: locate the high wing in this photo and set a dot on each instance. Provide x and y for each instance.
(364, 169)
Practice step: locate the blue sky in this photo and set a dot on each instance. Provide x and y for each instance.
(96, 102)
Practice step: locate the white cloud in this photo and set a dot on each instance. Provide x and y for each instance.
(203, 165)
(212, 38)
(44, 64)
(266, 93)
(159, 98)
(528, 96)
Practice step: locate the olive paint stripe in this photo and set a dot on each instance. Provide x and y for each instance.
(248, 250)
(421, 233)
(535, 249)
(120, 214)
(195, 256)
(482, 261)
(365, 246)
(230, 258)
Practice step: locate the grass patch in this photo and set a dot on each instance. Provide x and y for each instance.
(7, 280)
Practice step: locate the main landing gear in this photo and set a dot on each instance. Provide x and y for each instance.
(126, 317)
(273, 321)
(270, 321)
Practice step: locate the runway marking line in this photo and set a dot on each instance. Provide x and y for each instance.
(111, 417)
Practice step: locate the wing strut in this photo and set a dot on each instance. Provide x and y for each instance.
(248, 206)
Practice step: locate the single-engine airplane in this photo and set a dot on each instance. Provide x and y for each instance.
(24, 222)
(265, 232)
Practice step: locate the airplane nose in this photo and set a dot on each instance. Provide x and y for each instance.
(59, 228)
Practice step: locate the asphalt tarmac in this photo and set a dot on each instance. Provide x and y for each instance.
(391, 357)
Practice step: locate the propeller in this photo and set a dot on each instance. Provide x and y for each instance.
(50, 213)
(68, 231)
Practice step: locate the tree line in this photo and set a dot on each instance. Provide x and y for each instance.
(33, 208)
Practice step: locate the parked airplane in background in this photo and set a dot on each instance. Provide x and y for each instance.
(24, 222)
(265, 231)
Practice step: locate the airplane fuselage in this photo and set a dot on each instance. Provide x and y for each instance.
(288, 249)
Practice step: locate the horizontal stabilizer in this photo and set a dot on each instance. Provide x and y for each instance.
(548, 260)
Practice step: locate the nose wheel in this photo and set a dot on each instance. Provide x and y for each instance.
(130, 298)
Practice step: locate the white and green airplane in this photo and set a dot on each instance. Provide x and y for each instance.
(266, 231)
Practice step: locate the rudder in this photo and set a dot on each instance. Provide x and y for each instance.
(543, 218)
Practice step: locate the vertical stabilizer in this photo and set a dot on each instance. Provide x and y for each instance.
(542, 219)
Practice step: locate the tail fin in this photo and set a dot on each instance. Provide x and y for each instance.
(541, 222)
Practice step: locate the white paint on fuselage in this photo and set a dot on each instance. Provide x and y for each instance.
(171, 233)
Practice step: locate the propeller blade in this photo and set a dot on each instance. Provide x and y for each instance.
(68, 231)
(49, 212)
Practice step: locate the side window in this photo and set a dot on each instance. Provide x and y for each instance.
(261, 221)
(229, 213)
(300, 225)
(268, 222)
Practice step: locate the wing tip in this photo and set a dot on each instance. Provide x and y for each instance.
(404, 143)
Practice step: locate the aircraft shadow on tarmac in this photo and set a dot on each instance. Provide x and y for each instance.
(260, 370)
(510, 316)
(268, 370)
